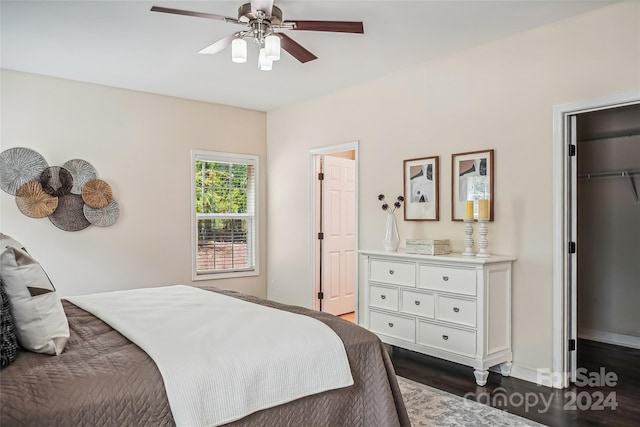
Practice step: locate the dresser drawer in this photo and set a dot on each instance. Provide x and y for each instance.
(449, 339)
(383, 297)
(456, 310)
(456, 280)
(417, 303)
(391, 325)
(398, 273)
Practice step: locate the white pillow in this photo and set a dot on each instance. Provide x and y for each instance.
(41, 324)
(9, 241)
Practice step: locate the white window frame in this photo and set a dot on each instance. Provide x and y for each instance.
(216, 156)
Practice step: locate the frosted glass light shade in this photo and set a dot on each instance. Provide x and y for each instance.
(264, 64)
(239, 50)
(272, 47)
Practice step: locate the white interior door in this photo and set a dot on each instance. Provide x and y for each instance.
(338, 226)
(572, 261)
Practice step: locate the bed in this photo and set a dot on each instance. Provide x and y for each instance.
(102, 378)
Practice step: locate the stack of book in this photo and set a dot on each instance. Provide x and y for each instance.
(428, 246)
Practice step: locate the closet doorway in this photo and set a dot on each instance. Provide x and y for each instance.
(608, 226)
(596, 228)
(334, 229)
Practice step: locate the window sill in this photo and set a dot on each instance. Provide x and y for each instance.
(228, 275)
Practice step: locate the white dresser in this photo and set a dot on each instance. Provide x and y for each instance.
(453, 307)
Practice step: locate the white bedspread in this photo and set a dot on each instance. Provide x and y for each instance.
(222, 358)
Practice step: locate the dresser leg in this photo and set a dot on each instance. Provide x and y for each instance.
(481, 377)
(505, 369)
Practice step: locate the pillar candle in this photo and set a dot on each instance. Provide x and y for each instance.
(468, 209)
(483, 209)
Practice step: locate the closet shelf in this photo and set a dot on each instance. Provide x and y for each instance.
(611, 135)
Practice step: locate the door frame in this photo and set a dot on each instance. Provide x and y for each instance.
(314, 196)
(564, 297)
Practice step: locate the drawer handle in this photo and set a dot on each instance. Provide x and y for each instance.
(383, 296)
(445, 337)
(390, 325)
(456, 309)
(391, 271)
(445, 278)
(417, 302)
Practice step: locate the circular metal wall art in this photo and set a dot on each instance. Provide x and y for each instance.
(18, 166)
(82, 172)
(69, 215)
(56, 181)
(34, 202)
(71, 196)
(103, 217)
(97, 193)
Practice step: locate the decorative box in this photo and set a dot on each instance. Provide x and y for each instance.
(428, 246)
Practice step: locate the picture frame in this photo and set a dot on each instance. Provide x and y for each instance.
(471, 180)
(421, 189)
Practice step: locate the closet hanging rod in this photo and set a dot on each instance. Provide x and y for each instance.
(617, 174)
(630, 174)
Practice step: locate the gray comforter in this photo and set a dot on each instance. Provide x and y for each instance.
(103, 379)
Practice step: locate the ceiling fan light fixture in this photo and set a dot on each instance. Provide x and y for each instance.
(239, 50)
(264, 64)
(272, 47)
(262, 20)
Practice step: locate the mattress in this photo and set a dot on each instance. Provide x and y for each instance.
(102, 378)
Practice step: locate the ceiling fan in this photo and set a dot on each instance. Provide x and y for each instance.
(264, 24)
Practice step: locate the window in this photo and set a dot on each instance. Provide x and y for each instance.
(224, 206)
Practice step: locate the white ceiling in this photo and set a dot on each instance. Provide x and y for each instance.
(123, 44)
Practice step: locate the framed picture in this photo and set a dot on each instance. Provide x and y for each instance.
(421, 184)
(472, 180)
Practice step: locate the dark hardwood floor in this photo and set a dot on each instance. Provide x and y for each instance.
(577, 405)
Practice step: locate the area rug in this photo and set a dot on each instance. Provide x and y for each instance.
(428, 406)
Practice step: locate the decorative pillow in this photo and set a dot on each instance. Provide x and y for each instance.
(41, 324)
(8, 339)
(6, 241)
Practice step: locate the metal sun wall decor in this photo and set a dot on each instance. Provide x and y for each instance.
(71, 195)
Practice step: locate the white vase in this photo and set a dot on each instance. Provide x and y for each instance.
(391, 236)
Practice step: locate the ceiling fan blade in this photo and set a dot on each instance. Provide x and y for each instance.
(218, 46)
(295, 49)
(264, 5)
(331, 26)
(190, 13)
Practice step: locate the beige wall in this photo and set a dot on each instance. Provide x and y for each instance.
(140, 144)
(498, 96)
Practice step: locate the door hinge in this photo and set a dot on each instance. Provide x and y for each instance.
(320, 295)
(572, 247)
(320, 236)
(572, 345)
(572, 150)
(321, 176)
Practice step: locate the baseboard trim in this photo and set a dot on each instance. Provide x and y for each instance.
(543, 377)
(609, 338)
(531, 375)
